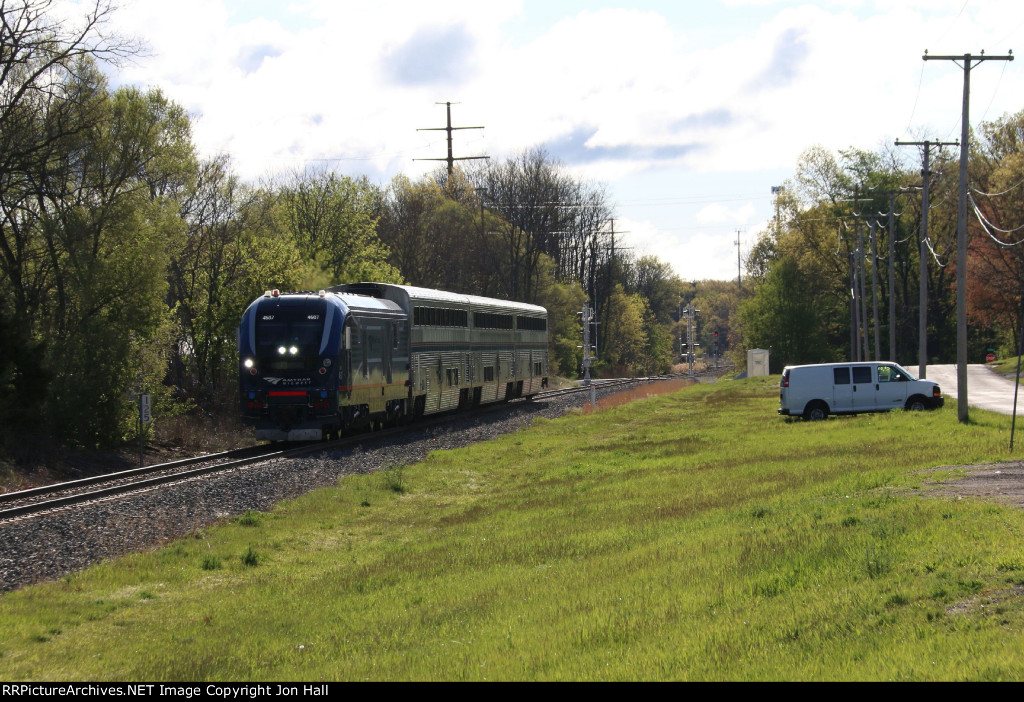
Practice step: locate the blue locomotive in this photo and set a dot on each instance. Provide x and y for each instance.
(366, 354)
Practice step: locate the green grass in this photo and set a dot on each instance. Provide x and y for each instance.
(1005, 366)
(693, 536)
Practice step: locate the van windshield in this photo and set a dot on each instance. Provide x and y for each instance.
(892, 373)
(904, 371)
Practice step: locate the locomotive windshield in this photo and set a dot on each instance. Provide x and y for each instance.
(289, 338)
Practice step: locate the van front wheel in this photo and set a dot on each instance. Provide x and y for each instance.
(816, 411)
(917, 404)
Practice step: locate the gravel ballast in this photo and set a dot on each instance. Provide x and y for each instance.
(48, 546)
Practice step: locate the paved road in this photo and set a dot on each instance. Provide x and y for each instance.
(985, 388)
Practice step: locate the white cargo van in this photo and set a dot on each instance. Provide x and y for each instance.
(816, 391)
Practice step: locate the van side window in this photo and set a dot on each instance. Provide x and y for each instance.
(841, 375)
(886, 373)
(861, 374)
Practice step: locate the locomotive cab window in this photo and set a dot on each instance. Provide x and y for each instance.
(286, 339)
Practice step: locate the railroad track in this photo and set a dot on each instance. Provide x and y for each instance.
(25, 503)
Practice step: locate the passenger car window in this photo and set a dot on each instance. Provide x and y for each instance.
(841, 376)
(861, 374)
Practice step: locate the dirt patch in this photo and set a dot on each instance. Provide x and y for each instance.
(999, 482)
(990, 600)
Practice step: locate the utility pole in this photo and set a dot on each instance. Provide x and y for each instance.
(862, 271)
(449, 128)
(961, 227)
(858, 300)
(874, 285)
(922, 322)
(875, 223)
(892, 276)
(854, 343)
(739, 275)
(611, 249)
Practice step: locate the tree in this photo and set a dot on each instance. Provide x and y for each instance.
(234, 247)
(441, 237)
(622, 342)
(785, 315)
(996, 248)
(107, 240)
(718, 301)
(331, 219)
(543, 212)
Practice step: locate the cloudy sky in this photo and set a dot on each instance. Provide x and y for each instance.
(689, 112)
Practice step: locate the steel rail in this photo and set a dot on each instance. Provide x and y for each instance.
(218, 464)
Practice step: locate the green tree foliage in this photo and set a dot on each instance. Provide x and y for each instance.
(717, 301)
(622, 341)
(331, 219)
(655, 281)
(824, 228)
(996, 252)
(564, 302)
(441, 236)
(235, 246)
(785, 315)
(107, 233)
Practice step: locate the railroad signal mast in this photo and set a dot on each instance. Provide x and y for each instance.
(690, 315)
(588, 317)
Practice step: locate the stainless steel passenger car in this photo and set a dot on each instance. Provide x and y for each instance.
(366, 353)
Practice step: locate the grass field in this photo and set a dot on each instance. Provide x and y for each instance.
(691, 536)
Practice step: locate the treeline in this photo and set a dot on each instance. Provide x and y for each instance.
(126, 260)
(523, 229)
(830, 241)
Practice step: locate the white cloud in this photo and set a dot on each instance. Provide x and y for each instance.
(618, 94)
(718, 213)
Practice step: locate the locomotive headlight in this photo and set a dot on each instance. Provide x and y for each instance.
(282, 350)
(293, 350)
(327, 363)
(248, 363)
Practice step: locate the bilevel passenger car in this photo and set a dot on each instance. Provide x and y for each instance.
(314, 364)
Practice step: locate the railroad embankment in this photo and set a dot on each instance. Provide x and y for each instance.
(694, 535)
